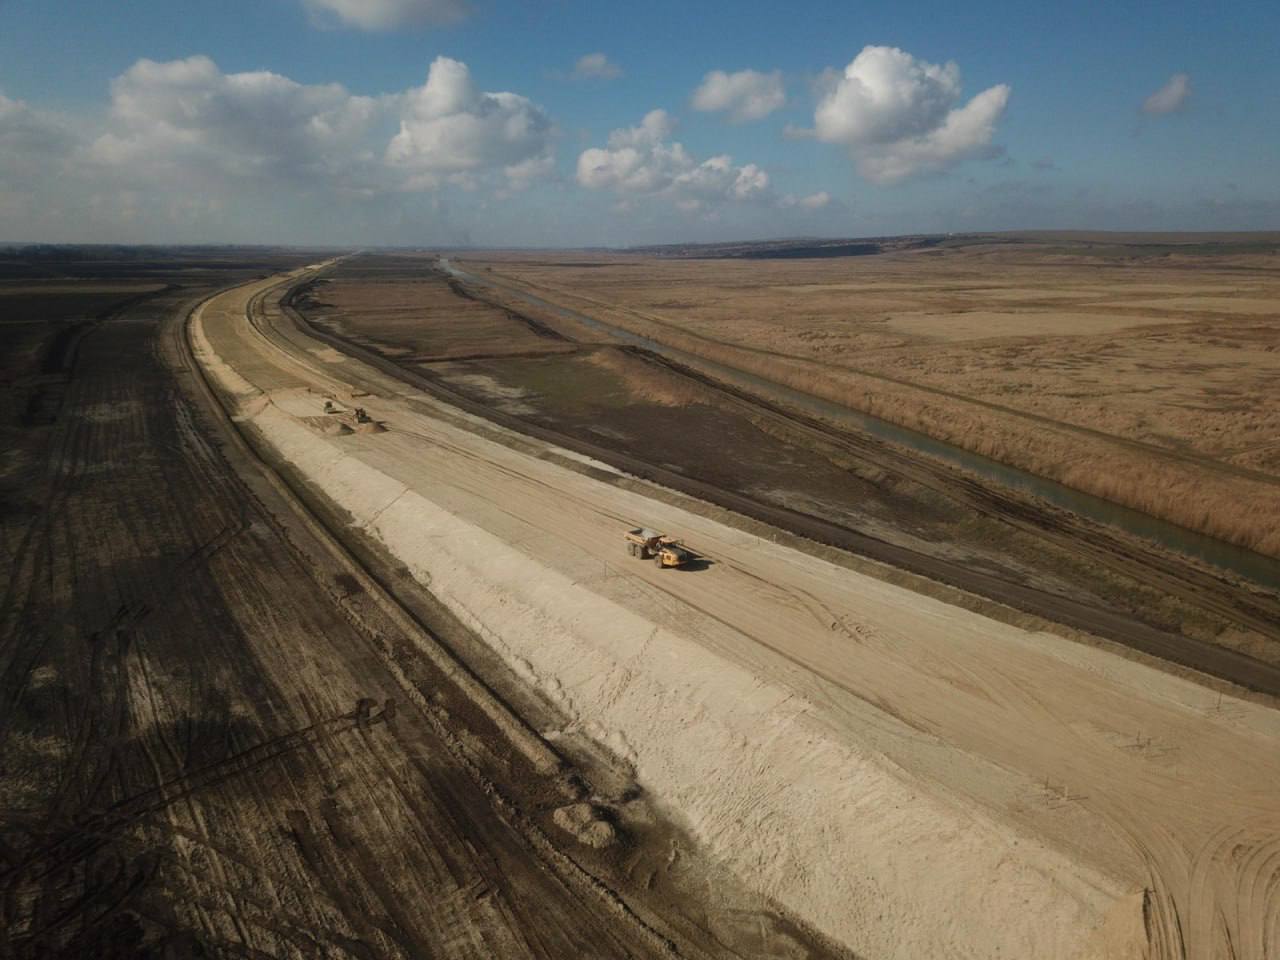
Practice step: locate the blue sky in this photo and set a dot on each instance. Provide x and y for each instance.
(867, 118)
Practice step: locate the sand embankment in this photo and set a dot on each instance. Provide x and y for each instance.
(866, 856)
(837, 834)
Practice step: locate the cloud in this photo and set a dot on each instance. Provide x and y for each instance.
(387, 14)
(746, 95)
(596, 66)
(642, 161)
(187, 122)
(1170, 98)
(814, 201)
(30, 141)
(451, 130)
(900, 117)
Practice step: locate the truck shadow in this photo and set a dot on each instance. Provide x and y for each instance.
(694, 565)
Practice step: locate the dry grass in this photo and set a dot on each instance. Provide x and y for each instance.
(1153, 383)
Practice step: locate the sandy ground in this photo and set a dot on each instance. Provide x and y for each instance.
(915, 779)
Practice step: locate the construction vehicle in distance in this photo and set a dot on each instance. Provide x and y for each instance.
(665, 551)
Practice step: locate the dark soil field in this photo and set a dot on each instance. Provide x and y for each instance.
(630, 408)
(218, 737)
(415, 322)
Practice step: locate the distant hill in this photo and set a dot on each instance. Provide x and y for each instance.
(788, 249)
(1093, 242)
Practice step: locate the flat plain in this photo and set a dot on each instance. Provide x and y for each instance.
(320, 636)
(1145, 373)
(841, 487)
(915, 770)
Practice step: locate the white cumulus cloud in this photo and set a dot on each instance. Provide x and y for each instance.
(1170, 98)
(814, 201)
(451, 130)
(745, 95)
(30, 140)
(388, 14)
(187, 122)
(188, 118)
(642, 160)
(596, 66)
(900, 116)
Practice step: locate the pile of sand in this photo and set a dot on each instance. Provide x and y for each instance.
(330, 426)
(589, 824)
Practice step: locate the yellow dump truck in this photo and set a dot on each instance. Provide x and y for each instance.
(649, 544)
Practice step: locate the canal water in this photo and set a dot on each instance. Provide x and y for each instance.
(1227, 556)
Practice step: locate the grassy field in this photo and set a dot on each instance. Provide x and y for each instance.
(1151, 379)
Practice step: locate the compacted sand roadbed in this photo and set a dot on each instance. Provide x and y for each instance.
(912, 778)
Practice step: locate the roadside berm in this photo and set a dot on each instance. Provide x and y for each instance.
(912, 779)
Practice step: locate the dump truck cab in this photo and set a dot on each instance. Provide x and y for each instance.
(670, 554)
(650, 544)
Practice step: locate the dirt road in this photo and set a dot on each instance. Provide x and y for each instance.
(727, 445)
(1143, 566)
(1137, 562)
(214, 740)
(1115, 776)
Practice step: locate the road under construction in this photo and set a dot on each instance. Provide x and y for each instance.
(313, 658)
(857, 752)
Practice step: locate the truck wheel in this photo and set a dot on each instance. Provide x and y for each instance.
(631, 549)
(657, 558)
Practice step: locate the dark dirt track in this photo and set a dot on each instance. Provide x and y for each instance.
(204, 752)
